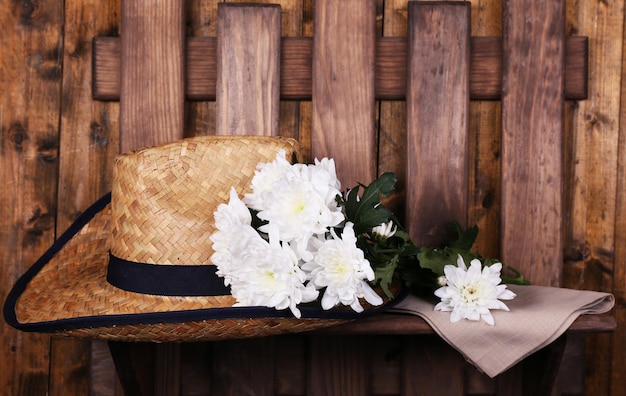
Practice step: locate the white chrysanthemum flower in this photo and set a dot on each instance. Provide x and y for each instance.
(326, 166)
(233, 213)
(233, 224)
(472, 293)
(341, 267)
(264, 177)
(385, 230)
(301, 203)
(265, 273)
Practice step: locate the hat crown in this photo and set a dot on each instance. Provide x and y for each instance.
(163, 198)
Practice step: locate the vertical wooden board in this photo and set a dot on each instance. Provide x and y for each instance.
(484, 144)
(618, 344)
(484, 179)
(167, 369)
(437, 114)
(424, 360)
(290, 365)
(243, 367)
(385, 360)
(30, 89)
(152, 75)
(248, 67)
(200, 21)
(89, 141)
(103, 379)
(594, 232)
(195, 369)
(338, 366)
(343, 88)
(305, 132)
(532, 129)
(290, 26)
(392, 153)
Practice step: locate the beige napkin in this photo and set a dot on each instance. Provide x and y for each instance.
(537, 316)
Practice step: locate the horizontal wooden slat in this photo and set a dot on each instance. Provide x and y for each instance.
(296, 62)
(397, 324)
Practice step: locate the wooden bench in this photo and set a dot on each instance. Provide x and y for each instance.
(344, 70)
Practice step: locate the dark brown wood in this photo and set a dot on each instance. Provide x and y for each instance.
(338, 365)
(89, 130)
(437, 119)
(248, 69)
(532, 136)
(243, 367)
(290, 368)
(296, 64)
(152, 73)
(343, 88)
(397, 324)
(134, 363)
(425, 359)
(30, 105)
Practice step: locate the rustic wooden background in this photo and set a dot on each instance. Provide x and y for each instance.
(56, 146)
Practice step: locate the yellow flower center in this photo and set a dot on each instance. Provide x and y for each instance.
(297, 206)
(470, 293)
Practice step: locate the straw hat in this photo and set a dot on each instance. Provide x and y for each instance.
(135, 265)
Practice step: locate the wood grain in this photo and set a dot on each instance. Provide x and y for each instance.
(532, 136)
(31, 59)
(484, 143)
(392, 120)
(437, 114)
(248, 69)
(424, 358)
(152, 73)
(296, 63)
(89, 142)
(594, 234)
(343, 88)
(594, 133)
(338, 366)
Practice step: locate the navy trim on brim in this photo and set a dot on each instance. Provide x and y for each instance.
(148, 318)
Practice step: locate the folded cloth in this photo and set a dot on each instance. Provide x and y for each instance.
(537, 316)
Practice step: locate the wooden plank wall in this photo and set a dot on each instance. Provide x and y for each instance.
(56, 146)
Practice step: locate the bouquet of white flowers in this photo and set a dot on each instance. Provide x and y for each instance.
(296, 239)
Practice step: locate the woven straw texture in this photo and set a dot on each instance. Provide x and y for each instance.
(162, 207)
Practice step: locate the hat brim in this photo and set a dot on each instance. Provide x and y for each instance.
(66, 293)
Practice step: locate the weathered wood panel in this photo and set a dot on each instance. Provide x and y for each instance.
(296, 65)
(594, 169)
(594, 230)
(152, 73)
(31, 56)
(532, 136)
(248, 69)
(437, 119)
(343, 88)
(89, 140)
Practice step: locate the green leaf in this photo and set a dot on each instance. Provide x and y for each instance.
(436, 259)
(366, 211)
(464, 238)
(384, 275)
